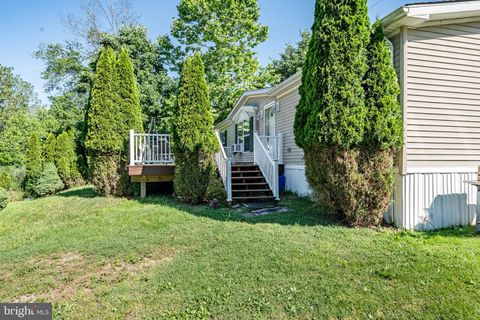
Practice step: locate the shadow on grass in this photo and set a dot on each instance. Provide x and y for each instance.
(80, 192)
(452, 232)
(301, 211)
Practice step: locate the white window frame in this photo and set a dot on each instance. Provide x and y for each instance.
(269, 107)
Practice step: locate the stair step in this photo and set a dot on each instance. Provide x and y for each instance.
(249, 183)
(239, 178)
(246, 188)
(252, 190)
(249, 171)
(244, 167)
(254, 198)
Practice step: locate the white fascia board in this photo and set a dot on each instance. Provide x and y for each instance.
(415, 15)
(442, 8)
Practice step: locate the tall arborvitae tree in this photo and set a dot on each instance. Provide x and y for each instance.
(34, 164)
(331, 112)
(49, 148)
(385, 127)
(193, 136)
(104, 137)
(383, 132)
(330, 118)
(130, 109)
(66, 158)
(129, 97)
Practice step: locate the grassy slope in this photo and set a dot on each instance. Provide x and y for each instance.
(106, 258)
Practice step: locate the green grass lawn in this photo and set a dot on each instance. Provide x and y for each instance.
(115, 258)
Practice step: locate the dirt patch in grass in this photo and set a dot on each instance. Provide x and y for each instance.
(79, 275)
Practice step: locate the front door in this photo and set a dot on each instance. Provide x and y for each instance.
(270, 121)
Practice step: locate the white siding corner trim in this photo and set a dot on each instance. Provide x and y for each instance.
(296, 181)
(433, 200)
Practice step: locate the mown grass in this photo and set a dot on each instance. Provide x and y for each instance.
(101, 258)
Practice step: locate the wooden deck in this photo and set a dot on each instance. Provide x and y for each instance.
(151, 159)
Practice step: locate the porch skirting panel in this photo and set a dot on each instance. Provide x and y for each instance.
(296, 181)
(433, 200)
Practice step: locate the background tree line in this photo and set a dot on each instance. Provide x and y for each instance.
(225, 36)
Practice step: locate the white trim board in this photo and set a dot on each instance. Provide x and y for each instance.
(449, 169)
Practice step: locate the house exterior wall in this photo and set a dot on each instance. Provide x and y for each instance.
(295, 180)
(284, 119)
(443, 97)
(439, 70)
(426, 201)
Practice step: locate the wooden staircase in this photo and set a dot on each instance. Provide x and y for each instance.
(249, 184)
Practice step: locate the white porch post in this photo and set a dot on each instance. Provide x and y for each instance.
(229, 180)
(276, 190)
(132, 147)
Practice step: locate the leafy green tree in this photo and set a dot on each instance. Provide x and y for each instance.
(16, 95)
(20, 114)
(49, 148)
(292, 58)
(33, 162)
(14, 138)
(48, 182)
(193, 136)
(104, 138)
(66, 158)
(385, 127)
(226, 33)
(5, 180)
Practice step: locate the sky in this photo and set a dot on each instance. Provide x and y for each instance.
(25, 24)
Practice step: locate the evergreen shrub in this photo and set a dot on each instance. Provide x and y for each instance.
(48, 182)
(3, 198)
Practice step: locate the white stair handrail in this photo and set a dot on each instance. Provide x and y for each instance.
(224, 164)
(267, 165)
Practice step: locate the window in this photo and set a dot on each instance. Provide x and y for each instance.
(223, 138)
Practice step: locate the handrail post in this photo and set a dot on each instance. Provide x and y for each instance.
(229, 180)
(276, 191)
(132, 147)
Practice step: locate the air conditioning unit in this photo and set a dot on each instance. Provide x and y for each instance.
(238, 147)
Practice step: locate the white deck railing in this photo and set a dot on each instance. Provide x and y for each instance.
(274, 146)
(224, 163)
(267, 165)
(150, 148)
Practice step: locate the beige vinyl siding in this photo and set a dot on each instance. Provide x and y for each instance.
(443, 99)
(397, 47)
(284, 119)
(396, 53)
(260, 122)
(231, 135)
